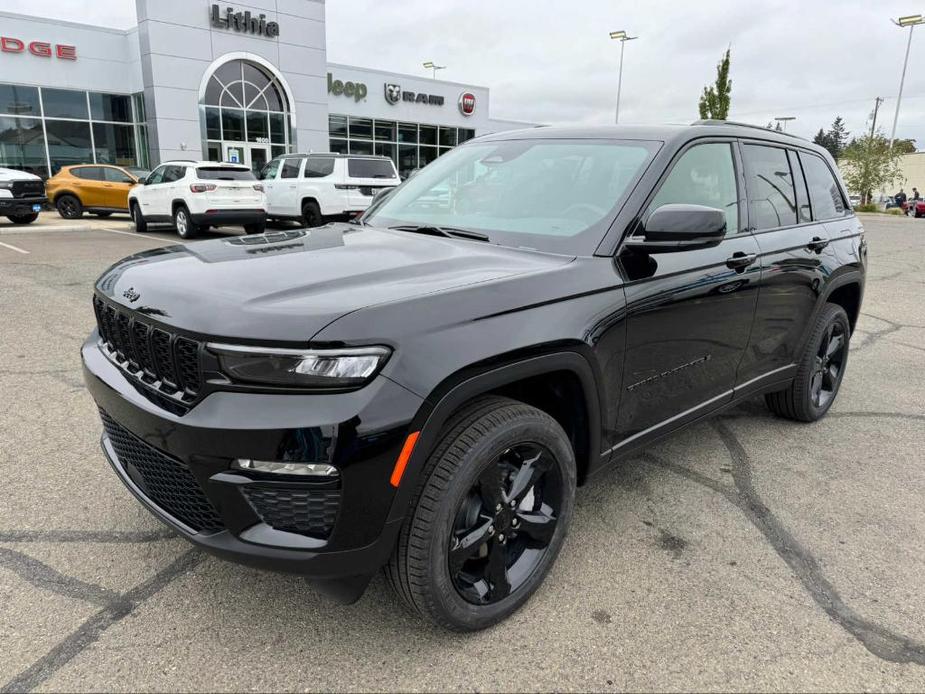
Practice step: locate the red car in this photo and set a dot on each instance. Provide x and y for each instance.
(914, 207)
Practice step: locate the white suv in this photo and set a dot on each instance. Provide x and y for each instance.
(314, 188)
(194, 196)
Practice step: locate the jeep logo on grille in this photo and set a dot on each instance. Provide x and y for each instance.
(131, 295)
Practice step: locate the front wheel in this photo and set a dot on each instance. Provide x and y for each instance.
(820, 371)
(23, 218)
(184, 224)
(311, 214)
(490, 517)
(141, 226)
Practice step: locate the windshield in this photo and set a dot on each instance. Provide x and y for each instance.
(552, 195)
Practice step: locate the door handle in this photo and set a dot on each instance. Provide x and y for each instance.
(738, 261)
(817, 244)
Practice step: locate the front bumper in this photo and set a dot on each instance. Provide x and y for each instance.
(21, 206)
(219, 217)
(361, 433)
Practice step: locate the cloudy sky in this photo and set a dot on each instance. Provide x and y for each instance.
(552, 62)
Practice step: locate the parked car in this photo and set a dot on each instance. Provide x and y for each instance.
(194, 196)
(422, 391)
(21, 196)
(854, 200)
(916, 208)
(100, 189)
(317, 188)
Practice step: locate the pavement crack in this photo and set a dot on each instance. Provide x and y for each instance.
(90, 631)
(877, 639)
(44, 577)
(91, 536)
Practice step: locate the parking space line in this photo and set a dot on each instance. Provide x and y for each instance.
(134, 234)
(14, 248)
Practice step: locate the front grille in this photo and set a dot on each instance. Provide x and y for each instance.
(167, 482)
(160, 359)
(28, 189)
(302, 510)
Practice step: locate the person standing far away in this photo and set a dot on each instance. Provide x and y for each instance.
(915, 194)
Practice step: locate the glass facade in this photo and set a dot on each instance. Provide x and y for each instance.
(43, 129)
(410, 145)
(244, 103)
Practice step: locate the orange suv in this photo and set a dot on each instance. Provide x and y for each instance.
(98, 188)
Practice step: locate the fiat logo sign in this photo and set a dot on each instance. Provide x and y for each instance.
(467, 103)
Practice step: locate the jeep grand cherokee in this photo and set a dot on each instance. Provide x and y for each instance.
(423, 391)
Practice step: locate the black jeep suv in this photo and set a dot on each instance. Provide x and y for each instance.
(423, 390)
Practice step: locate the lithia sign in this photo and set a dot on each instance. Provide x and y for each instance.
(243, 21)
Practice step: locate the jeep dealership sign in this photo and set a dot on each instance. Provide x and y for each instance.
(357, 90)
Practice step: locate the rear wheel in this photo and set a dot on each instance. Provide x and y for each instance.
(141, 226)
(820, 370)
(490, 517)
(23, 218)
(184, 224)
(255, 228)
(69, 207)
(311, 214)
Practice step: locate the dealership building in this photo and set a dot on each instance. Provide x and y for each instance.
(196, 79)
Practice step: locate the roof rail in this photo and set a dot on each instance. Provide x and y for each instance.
(711, 121)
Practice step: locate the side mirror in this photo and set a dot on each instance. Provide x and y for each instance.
(677, 227)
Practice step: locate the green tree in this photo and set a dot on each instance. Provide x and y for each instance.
(868, 164)
(715, 100)
(838, 137)
(904, 146)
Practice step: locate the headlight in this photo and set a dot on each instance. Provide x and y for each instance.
(309, 368)
(7, 185)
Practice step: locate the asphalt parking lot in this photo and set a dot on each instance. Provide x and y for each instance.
(747, 553)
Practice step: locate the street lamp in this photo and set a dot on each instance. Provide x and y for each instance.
(907, 21)
(784, 120)
(622, 37)
(431, 65)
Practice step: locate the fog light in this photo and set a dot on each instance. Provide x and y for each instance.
(315, 469)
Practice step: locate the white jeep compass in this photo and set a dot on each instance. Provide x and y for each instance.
(316, 188)
(194, 196)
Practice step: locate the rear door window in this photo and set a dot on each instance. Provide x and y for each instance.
(319, 167)
(89, 173)
(804, 212)
(824, 191)
(370, 168)
(291, 168)
(771, 194)
(224, 173)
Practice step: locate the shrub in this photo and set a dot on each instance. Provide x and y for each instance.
(869, 207)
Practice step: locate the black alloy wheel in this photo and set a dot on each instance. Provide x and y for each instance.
(819, 372)
(490, 513)
(311, 214)
(69, 207)
(505, 524)
(830, 358)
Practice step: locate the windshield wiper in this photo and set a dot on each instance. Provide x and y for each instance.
(450, 232)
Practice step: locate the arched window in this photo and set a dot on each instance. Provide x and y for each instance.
(244, 103)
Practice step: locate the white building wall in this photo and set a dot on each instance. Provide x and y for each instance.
(178, 43)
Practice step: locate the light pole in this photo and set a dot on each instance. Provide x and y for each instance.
(431, 65)
(622, 37)
(908, 21)
(784, 120)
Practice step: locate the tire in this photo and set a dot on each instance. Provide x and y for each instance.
(23, 218)
(141, 226)
(255, 228)
(69, 206)
(820, 371)
(183, 223)
(453, 502)
(311, 214)
(102, 215)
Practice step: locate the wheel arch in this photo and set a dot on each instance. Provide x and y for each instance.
(61, 193)
(538, 380)
(178, 202)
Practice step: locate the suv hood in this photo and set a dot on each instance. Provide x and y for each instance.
(16, 175)
(288, 285)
